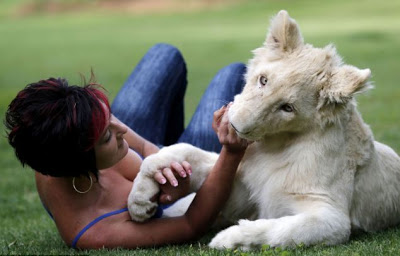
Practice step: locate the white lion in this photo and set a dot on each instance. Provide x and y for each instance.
(314, 172)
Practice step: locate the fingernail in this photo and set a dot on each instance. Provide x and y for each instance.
(175, 183)
(183, 174)
(169, 198)
(163, 181)
(189, 172)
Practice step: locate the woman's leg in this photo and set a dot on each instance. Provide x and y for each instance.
(228, 82)
(151, 100)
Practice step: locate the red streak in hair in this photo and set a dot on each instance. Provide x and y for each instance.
(99, 117)
(50, 82)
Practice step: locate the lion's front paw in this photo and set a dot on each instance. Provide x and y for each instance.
(140, 205)
(141, 210)
(230, 238)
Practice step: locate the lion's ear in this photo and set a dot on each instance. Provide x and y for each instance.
(345, 82)
(284, 34)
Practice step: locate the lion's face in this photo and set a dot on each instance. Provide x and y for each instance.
(292, 86)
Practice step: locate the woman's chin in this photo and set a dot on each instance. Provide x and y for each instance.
(125, 148)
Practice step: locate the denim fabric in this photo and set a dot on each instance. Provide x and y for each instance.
(151, 100)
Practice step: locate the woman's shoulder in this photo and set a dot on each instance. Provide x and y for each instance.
(72, 212)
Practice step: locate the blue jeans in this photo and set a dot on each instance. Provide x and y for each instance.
(151, 100)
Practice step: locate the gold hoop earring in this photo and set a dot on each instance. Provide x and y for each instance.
(82, 192)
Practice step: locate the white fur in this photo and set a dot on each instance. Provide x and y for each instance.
(312, 175)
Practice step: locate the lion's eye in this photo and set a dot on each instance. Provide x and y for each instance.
(287, 108)
(263, 80)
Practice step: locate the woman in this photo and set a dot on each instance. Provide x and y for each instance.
(86, 158)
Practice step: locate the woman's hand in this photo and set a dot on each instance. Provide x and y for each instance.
(174, 182)
(226, 134)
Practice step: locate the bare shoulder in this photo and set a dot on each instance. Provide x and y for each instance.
(108, 194)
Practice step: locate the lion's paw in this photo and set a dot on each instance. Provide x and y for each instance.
(230, 238)
(140, 205)
(142, 210)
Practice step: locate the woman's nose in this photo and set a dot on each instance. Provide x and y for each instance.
(121, 128)
(124, 129)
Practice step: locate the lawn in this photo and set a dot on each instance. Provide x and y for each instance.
(365, 32)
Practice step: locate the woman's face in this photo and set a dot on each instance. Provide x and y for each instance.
(111, 146)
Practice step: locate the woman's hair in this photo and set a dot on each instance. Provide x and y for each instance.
(53, 126)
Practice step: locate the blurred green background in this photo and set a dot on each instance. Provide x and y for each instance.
(40, 39)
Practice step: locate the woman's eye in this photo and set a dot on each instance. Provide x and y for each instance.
(108, 137)
(263, 80)
(287, 108)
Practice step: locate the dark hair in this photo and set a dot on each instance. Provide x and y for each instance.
(53, 126)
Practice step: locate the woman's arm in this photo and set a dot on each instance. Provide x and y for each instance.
(201, 214)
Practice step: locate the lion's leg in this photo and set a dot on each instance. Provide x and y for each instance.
(321, 224)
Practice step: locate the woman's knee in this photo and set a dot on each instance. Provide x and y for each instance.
(167, 54)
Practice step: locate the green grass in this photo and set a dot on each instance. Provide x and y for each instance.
(366, 33)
